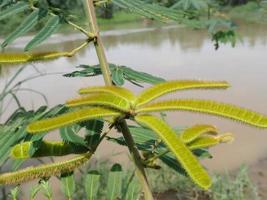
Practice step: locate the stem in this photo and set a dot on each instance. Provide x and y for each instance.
(108, 81)
(140, 172)
(98, 43)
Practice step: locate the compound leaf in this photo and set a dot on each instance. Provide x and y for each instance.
(209, 107)
(194, 132)
(207, 141)
(27, 24)
(115, 90)
(182, 153)
(70, 118)
(172, 86)
(13, 9)
(50, 27)
(117, 77)
(69, 134)
(108, 100)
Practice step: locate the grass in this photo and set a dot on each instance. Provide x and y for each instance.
(236, 186)
(120, 17)
(167, 184)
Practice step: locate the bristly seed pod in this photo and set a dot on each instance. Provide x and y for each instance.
(17, 58)
(44, 171)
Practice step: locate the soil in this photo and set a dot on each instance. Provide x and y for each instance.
(258, 174)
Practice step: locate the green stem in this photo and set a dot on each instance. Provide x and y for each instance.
(98, 43)
(108, 81)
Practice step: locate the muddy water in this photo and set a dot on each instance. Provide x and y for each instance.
(173, 53)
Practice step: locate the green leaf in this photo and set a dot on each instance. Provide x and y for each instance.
(117, 77)
(86, 72)
(140, 77)
(91, 184)
(154, 11)
(46, 188)
(27, 24)
(15, 193)
(13, 9)
(68, 185)
(14, 129)
(4, 3)
(94, 126)
(94, 129)
(69, 134)
(209, 107)
(70, 118)
(182, 153)
(34, 191)
(173, 86)
(129, 74)
(133, 190)
(50, 27)
(114, 184)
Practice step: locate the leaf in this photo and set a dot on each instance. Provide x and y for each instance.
(34, 191)
(114, 90)
(27, 24)
(50, 27)
(203, 142)
(15, 193)
(70, 118)
(194, 132)
(4, 3)
(105, 100)
(93, 130)
(94, 126)
(86, 72)
(43, 171)
(17, 131)
(114, 184)
(68, 185)
(172, 86)
(141, 77)
(69, 135)
(154, 11)
(46, 188)
(209, 107)
(129, 74)
(182, 153)
(91, 184)
(117, 77)
(13, 9)
(133, 190)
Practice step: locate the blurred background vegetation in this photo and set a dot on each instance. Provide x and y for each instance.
(110, 14)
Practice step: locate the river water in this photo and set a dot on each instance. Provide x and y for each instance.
(171, 52)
